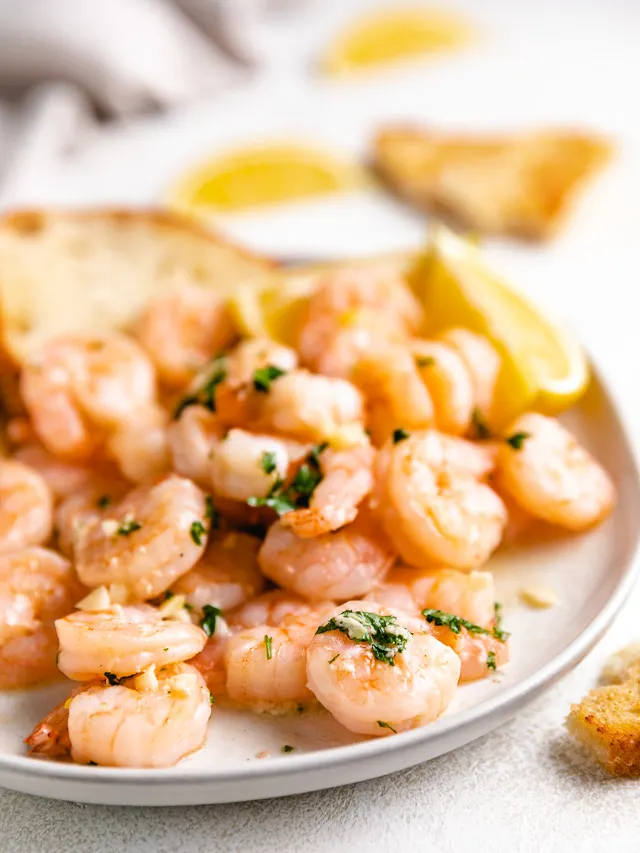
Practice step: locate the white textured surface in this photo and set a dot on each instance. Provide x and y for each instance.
(525, 787)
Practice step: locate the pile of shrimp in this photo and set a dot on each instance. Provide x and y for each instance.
(188, 517)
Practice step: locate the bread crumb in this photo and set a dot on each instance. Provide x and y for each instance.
(622, 665)
(539, 597)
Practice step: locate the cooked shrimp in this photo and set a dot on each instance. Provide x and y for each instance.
(270, 608)
(482, 362)
(370, 696)
(136, 726)
(252, 354)
(211, 662)
(87, 504)
(82, 386)
(432, 507)
(449, 383)
(351, 309)
(147, 541)
(481, 654)
(468, 595)
(299, 404)
(140, 445)
(123, 641)
(192, 438)
(266, 665)
(551, 476)
(62, 476)
(37, 586)
(227, 575)
(347, 479)
(26, 507)
(245, 465)
(50, 737)
(334, 566)
(182, 331)
(396, 397)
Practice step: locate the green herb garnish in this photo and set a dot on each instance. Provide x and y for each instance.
(335, 657)
(384, 725)
(268, 462)
(456, 623)
(277, 499)
(212, 699)
(425, 360)
(198, 530)
(385, 637)
(128, 526)
(206, 394)
(112, 679)
(400, 435)
(264, 376)
(268, 645)
(480, 427)
(498, 632)
(103, 501)
(211, 513)
(210, 614)
(491, 661)
(283, 499)
(517, 439)
(287, 748)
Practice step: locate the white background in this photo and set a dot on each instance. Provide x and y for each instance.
(524, 788)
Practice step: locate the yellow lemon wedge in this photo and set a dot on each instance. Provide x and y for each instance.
(392, 35)
(260, 176)
(275, 308)
(544, 367)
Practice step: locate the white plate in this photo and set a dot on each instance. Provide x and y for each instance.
(592, 574)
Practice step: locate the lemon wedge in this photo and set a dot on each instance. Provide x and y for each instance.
(393, 35)
(261, 176)
(544, 367)
(275, 308)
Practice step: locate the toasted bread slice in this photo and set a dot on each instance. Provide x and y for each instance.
(92, 271)
(519, 185)
(607, 722)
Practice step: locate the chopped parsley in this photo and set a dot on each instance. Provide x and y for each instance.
(457, 623)
(206, 394)
(92, 763)
(288, 748)
(198, 530)
(112, 679)
(384, 725)
(264, 376)
(517, 440)
(103, 501)
(283, 499)
(425, 361)
(480, 427)
(335, 657)
(400, 435)
(210, 614)
(211, 513)
(385, 637)
(268, 646)
(268, 462)
(212, 699)
(491, 661)
(168, 594)
(498, 631)
(128, 526)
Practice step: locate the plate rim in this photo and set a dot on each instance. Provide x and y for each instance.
(505, 705)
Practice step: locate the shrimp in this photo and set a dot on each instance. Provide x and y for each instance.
(63, 477)
(182, 331)
(151, 537)
(38, 586)
(468, 595)
(50, 737)
(448, 380)
(123, 641)
(192, 438)
(347, 479)
(333, 566)
(87, 504)
(482, 361)
(26, 507)
(252, 354)
(481, 654)
(266, 665)
(396, 396)
(83, 386)
(551, 476)
(135, 725)
(270, 608)
(298, 404)
(374, 696)
(431, 505)
(245, 465)
(227, 575)
(140, 445)
(351, 309)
